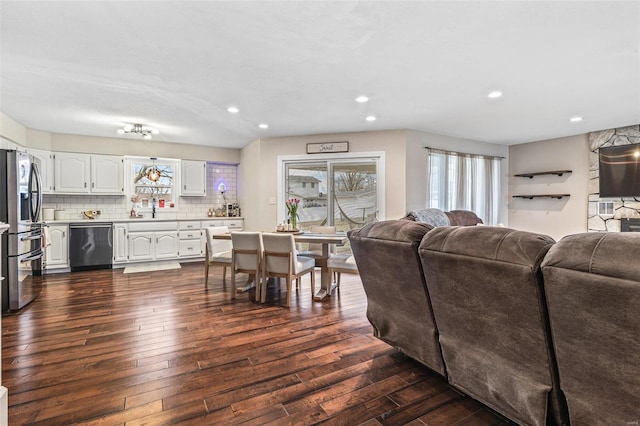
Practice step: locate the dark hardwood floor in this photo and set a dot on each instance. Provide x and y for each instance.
(107, 348)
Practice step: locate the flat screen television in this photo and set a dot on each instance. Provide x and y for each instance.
(620, 171)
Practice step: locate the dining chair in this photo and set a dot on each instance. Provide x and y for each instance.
(246, 257)
(315, 250)
(282, 261)
(339, 263)
(217, 252)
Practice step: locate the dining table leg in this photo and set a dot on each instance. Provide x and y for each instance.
(326, 285)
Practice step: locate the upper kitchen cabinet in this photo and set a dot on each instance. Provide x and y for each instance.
(194, 178)
(72, 172)
(46, 168)
(88, 174)
(107, 173)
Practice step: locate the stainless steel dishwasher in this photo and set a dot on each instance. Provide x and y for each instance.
(90, 246)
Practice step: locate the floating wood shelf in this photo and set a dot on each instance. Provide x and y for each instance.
(531, 197)
(552, 172)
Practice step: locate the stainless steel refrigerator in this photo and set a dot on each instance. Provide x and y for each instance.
(20, 204)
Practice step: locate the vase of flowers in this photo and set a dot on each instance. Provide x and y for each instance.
(292, 209)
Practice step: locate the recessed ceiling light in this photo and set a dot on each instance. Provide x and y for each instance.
(495, 94)
(362, 99)
(233, 109)
(263, 126)
(371, 118)
(576, 119)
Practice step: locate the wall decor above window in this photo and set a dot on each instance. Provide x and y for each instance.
(327, 147)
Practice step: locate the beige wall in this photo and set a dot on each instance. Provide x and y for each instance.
(143, 148)
(16, 132)
(405, 168)
(417, 165)
(552, 217)
(12, 130)
(260, 163)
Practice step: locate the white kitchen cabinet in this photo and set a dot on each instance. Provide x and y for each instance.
(194, 178)
(88, 174)
(120, 246)
(46, 168)
(141, 245)
(190, 243)
(72, 172)
(166, 245)
(56, 254)
(153, 240)
(107, 173)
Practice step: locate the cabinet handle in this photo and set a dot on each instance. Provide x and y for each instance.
(185, 187)
(85, 184)
(63, 234)
(93, 184)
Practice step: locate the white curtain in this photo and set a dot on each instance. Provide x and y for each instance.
(464, 182)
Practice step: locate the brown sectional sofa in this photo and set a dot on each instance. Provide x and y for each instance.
(592, 284)
(391, 251)
(500, 305)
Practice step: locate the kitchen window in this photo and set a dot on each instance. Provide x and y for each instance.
(145, 190)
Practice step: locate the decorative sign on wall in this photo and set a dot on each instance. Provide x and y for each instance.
(327, 147)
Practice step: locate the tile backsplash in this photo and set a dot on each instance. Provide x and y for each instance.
(118, 207)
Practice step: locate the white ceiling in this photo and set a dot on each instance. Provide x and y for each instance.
(90, 67)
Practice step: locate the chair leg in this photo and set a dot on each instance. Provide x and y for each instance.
(206, 275)
(224, 275)
(233, 283)
(313, 283)
(289, 283)
(339, 276)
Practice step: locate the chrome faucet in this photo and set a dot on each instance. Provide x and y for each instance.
(153, 210)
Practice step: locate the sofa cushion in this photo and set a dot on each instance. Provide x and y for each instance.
(463, 218)
(592, 283)
(398, 306)
(486, 290)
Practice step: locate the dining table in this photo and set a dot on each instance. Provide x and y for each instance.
(326, 240)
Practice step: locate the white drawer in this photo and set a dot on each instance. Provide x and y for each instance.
(152, 226)
(189, 235)
(185, 226)
(234, 223)
(208, 223)
(189, 248)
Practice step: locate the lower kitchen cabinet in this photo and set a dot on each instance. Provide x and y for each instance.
(166, 245)
(141, 245)
(190, 243)
(56, 254)
(153, 245)
(120, 246)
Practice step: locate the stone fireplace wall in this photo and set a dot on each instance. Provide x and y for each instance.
(626, 207)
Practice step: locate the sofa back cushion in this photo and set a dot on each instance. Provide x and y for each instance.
(398, 306)
(592, 284)
(486, 290)
(463, 218)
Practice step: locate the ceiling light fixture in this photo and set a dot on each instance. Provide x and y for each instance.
(576, 119)
(371, 118)
(153, 174)
(144, 131)
(362, 99)
(494, 95)
(263, 126)
(233, 109)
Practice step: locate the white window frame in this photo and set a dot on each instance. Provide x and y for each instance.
(129, 162)
(377, 156)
